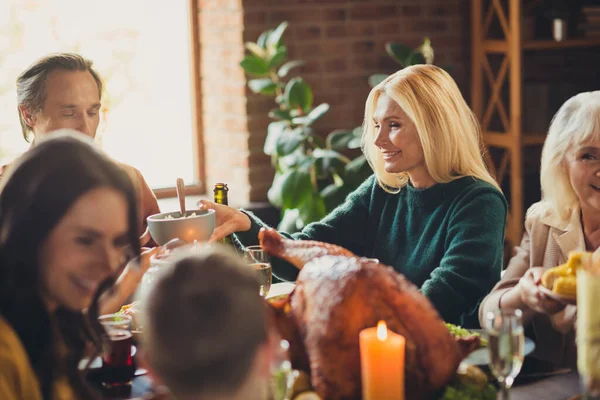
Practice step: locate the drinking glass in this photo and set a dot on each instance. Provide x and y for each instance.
(259, 260)
(506, 343)
(282, 374)
(117, 341)
(588, 330)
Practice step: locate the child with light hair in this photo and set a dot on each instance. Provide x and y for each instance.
(206, 333)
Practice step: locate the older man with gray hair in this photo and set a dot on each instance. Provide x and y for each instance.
(63, 90)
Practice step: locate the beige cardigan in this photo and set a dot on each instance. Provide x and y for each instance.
(547, 241)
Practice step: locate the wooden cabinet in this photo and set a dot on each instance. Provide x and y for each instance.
(499, 92)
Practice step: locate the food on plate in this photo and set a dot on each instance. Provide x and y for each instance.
(460, 332)
(307, 396)
(301, 384)
(337, 295)
(471, 383)
(562, 279)
(183, 217)
(133, 311)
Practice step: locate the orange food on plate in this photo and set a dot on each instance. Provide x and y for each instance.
(562, 279)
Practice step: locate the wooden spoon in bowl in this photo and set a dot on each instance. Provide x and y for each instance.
(181, 196)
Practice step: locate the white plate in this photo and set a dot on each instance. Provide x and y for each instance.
(481, 356)
(278, 289)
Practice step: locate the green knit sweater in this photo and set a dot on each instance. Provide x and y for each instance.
(446, 239)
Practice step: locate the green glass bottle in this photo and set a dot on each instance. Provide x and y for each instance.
(220, 197)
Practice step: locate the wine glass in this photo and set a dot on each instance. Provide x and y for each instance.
(259, 260)
(282, 375)
(506, 343)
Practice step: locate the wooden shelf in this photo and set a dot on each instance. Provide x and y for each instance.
(507, 140)
(501, 46)
(508, 104)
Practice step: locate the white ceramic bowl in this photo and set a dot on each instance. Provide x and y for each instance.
(198, 225)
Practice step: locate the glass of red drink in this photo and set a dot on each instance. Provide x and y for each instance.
(117, 360)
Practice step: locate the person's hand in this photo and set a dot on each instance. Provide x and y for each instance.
(227, 220)
(533, 297)
(145, 238)
(127, 282)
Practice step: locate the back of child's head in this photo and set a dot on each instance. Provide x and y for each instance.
(203, 324)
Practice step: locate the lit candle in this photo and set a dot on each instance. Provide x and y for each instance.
(382, 363)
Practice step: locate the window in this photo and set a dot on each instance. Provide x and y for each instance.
(141, 50)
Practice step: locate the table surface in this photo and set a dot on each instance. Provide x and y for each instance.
(558, 387)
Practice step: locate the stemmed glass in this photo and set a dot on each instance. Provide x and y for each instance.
(259, 260)
(506, 343)
(282, 374)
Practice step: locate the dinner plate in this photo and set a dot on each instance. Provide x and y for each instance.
(558, 297)
(481, 356)
(280, 289)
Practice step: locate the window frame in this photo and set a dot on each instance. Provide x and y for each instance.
(199, 186)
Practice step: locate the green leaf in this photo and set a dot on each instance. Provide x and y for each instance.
(327, 160)
(275, 194)
(263, 86)
(278, 58)
(262, 39)
(415, 58)
(357, 133)
(275, 130)
(294, 187)
(312, 208)
(376, 79)
(312, 116)
(255, 66)
(274, 38)
(256, 50)
(289, 141)
(280, 114)
(318, 141)
(294, 159)
(290, 221)
(356, 171)
(399, 52)
(339, 139)
(298, 94)
(288, 66)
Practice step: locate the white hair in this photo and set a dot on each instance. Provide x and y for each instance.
(576, 122)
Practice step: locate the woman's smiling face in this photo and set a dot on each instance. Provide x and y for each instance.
(583, 166)
(86, 247)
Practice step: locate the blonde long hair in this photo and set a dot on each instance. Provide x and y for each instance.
(447, 128)
(576, 122)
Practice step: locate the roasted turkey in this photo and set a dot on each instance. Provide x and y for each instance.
(337, 295)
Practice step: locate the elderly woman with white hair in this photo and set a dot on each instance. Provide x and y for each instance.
(431, 210)
(566, 219)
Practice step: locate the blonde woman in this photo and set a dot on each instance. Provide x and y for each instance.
(431, 210)
(566, 219)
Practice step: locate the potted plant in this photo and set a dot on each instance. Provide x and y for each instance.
(406, 56)
(312, 174)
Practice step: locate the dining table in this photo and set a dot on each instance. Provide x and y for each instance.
(530, 384)
(557, 387)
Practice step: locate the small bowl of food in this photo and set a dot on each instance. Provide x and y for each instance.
(195, 226)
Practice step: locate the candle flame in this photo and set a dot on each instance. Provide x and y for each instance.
(381, 330)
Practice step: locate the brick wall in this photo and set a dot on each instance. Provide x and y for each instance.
(342, 43)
